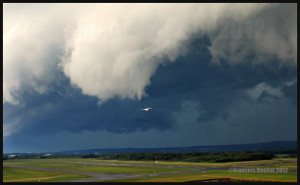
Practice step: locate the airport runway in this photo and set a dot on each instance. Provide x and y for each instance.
(134, 165)
(114, 176)
(169, 166)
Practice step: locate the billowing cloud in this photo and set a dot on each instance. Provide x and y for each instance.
(111, 50)
(263, 36)
(30, 51)
(132, 41)
(210, 92)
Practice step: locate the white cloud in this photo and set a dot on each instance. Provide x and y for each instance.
(10, 128)
(266, 34)
(258, 90)
(111, 50)
(289, 83)
(30, 54)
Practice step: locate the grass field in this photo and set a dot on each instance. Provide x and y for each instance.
(288, 177)
(57, 165)
(11, 174)
(290, 166)
(14, 174)
(202, 164)
(97, 168)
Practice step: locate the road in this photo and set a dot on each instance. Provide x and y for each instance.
(114, 176)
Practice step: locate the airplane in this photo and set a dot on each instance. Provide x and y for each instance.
(146, 109)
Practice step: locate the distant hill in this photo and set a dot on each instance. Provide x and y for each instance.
(268, 146)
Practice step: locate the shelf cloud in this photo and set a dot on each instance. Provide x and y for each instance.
(112, 50)
(81, 68)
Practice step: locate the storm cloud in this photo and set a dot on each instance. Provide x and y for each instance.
(113, 49)
(210, 66)
(190, 81)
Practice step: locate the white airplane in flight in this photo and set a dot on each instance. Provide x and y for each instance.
(146, 109)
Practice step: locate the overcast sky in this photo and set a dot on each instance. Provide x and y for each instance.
(76, 76)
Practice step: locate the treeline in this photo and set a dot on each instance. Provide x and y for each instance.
(54, 156)
(167, 156)
(292, 155)
(291, 151)
(189, 156)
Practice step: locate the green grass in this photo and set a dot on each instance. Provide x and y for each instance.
(12, 174)
(28, 175)
(68, 177)
(213, 175)
(202, 164)
(127, 169)
(288, 166)
(48, 164)
(281, 155)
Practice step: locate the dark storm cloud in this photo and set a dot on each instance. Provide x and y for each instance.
(290, 91)
(214, 87)
(214, 71)
(191, 78)
(266, 97)
(67, 109)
